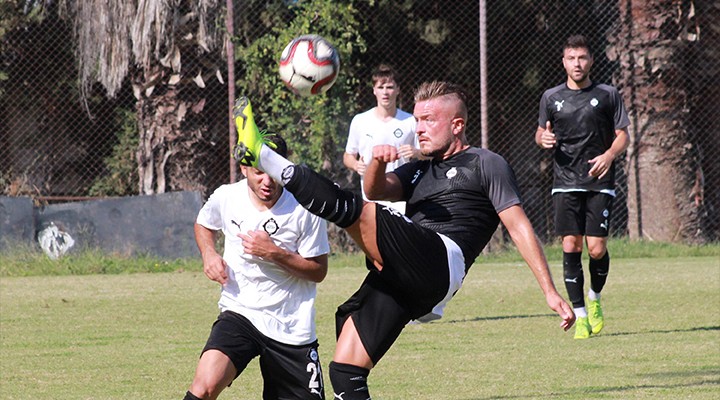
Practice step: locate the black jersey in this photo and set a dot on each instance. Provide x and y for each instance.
(584, 122)
(460, 197)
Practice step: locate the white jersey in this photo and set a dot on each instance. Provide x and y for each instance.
(278, 304)
(367, 131)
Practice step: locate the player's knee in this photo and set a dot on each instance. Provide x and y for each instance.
(349, 381)
(205, 388)
(572, 244)
(597, 252)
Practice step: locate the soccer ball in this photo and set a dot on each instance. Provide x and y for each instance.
(309, 65)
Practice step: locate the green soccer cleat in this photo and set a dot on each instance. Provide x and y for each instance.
(595, 316)
(250, 139)
(582, 328)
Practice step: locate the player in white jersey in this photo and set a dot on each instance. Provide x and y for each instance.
(275, 253)
(383, 124)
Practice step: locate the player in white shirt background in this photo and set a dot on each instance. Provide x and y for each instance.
(383, 124)
(275, 252)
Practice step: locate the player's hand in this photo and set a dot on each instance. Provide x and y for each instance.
(407, 151)
(258, 244)
(360, 166)
(215, 268)
(600, 165)
(560, 306)
(547, 138)
(385, 153)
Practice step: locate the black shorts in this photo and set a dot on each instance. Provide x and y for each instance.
(416, 276)
(582, 213)
(289, 372)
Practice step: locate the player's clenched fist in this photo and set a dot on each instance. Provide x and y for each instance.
(385, 153)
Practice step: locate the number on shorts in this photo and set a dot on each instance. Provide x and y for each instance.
(316, 378)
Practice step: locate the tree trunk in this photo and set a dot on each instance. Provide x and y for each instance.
(171, 153)
(654, 50)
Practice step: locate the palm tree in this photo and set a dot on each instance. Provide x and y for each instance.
(168, 51)
(655, 43)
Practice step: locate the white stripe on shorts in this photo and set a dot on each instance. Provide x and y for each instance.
(456, 265)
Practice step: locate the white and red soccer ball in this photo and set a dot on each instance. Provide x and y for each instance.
(309, 65)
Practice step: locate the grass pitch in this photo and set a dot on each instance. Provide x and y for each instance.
(139, 336)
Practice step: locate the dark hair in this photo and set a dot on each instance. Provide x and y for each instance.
(383, 72)
(577, 42)
(279, 142)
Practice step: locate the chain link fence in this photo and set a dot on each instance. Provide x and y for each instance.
(59, 142)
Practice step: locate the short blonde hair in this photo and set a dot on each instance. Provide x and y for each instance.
(435, 89)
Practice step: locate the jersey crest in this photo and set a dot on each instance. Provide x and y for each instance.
(270, 226)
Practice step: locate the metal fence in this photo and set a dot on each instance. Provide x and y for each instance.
(55, 146)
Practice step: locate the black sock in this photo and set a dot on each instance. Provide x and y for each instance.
(574, 279)
(190, 396)
(349, 381)
(598, 272)
(321, 196)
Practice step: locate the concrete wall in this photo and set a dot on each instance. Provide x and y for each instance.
(159, 225)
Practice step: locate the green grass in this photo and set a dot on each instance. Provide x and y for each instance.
(139, 336)
(27, 261)
(31, 261)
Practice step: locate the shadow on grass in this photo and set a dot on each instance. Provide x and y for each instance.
(696, 329)
(494, 318)
(588, 392)
(525, 316)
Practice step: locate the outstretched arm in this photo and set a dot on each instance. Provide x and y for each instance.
(522, 233)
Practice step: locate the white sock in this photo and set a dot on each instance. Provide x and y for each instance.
(592, 295)
(580, 312)
(272, 163)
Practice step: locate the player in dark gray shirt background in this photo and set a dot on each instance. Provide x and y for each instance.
(585, 124)
(417, 261)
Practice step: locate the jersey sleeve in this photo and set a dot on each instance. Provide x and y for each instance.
(621, 117)
(406, 173)
(542, 112)
(353, 143)
(500, 183)
(210, 215)
(313, 239)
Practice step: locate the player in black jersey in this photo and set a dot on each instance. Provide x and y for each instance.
(416, 261)
(585, 123)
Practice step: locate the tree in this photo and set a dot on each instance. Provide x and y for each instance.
(655, 43)
(49, 145)
(168, 50)
(315, 127)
